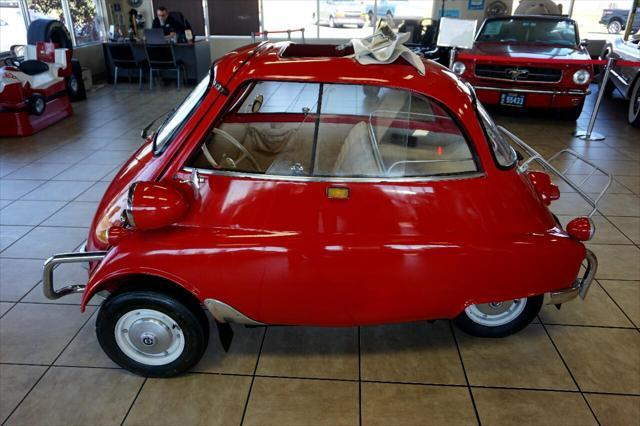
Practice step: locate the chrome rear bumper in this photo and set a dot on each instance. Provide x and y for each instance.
(50, 264)
(579, 288)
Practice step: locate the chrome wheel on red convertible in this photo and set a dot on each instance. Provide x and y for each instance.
(500, 318)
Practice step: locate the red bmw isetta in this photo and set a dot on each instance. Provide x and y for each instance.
(297, 186)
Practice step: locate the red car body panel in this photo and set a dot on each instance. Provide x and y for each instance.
(280, 251)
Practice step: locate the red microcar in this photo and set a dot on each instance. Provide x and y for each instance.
(529, 61)
(297, 186)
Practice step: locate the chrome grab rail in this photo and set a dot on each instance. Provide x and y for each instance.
(537, 157)
(51, 263)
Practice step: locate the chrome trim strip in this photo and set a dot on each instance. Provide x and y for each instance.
(225, 313)
(518, 81)
(51, 263)
(579, 288)
(334, 179)
(542, 92)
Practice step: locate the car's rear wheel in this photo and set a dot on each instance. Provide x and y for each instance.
(634, 104)
(499, 319)
(150, 333)
(614, 27)
(36, 104)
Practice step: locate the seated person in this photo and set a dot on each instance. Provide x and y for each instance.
(169, 24)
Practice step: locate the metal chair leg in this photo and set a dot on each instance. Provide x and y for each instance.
(178, 71)
(115, 79)
(139, 78)
(150, 78)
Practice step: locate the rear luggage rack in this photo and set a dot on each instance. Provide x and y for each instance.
(536, 157)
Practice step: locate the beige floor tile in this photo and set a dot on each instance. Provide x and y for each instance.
(615, 410)
(28, 212)
(631, 182)
(84, 350)
(282, 402)
(36, 334)
(43, 241)
(18, 277)
(529, 407)
(400, 404)
(627, 296)
(15, 382)
(524, 360)
(617, 262)
(596, 309)
(78, 396)
(242, 355)
(600, 359)
(314, 352)
(630, 226)
(10, 234)
(195, 399)
(5, 306)
(620, 205)
(414, 353)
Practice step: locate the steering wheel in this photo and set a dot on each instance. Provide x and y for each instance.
(12, 62)
(234, 141)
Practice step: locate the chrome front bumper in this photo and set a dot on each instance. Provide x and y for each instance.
(573, 92)
(50, 265)
(579, 288)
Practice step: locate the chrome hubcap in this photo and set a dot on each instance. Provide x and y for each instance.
(495, 314)
(149, 337)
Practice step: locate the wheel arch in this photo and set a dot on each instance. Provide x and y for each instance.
(148, 280)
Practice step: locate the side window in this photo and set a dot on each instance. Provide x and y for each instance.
(335, 130)
(269, 130)
(367, 131)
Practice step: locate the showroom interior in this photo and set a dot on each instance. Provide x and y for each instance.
(319, 212)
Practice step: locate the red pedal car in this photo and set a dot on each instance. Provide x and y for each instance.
(529, 61)
(297, 186)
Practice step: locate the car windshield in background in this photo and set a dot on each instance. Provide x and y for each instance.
(542, 31)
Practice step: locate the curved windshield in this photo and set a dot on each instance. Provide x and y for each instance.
(542, 31)
(176, 119)
(503, 153)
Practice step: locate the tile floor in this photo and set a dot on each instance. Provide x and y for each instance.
(579, 365)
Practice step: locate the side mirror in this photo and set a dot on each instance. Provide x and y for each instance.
(152, 205)
(584, 42)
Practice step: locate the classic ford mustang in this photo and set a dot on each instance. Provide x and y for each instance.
(297, 186)
(529, 61)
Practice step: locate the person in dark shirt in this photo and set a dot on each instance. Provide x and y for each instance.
(168, 23)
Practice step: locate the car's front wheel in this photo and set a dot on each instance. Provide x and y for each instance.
(152, 334)
(634, 105)
(614, 27)
(499, 319)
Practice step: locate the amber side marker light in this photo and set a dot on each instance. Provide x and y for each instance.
(338, 193)
(581, 228)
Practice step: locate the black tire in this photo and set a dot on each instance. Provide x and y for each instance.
(188, 316)
(634, 104)
(614, 26)
(36, 104)
(531, 309)
(75, 84)
(571, 114)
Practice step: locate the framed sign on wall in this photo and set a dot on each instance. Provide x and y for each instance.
(476, 5)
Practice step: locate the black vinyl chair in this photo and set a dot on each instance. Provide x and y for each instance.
(162, 57)
(122, 57)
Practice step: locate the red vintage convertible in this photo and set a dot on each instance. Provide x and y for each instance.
(297, 186)
(529, 61)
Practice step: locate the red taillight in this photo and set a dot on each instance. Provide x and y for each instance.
(546, 190)
(117, 233)
(581, 228)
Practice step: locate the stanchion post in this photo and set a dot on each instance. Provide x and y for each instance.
(589, 134)
(452, 57)
(303, 42)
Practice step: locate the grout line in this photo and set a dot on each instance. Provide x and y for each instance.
(135, 398)
(253, 376)
(49, 366)
(464, 370)
(616, 303)
(569, 371)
